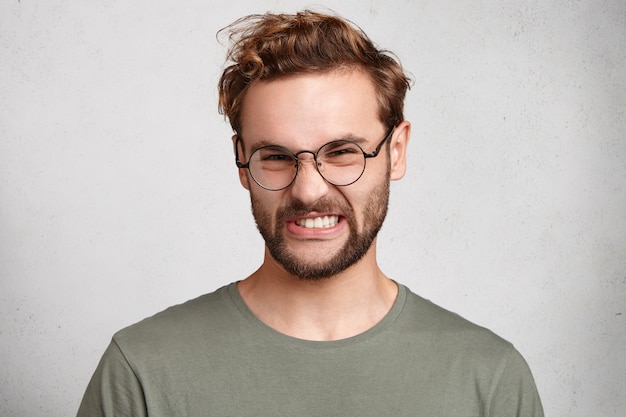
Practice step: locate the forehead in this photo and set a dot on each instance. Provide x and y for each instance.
(306, 110)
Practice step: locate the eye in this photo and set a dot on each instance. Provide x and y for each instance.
(340, 152)
(340, 149)
(273, 154)
(276, 157)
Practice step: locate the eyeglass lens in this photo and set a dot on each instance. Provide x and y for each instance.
(339, 162)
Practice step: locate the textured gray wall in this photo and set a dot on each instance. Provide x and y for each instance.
(119, 197)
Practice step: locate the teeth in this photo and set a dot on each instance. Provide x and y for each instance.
(318, 222)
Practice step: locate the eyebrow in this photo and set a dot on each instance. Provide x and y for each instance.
(264, 142)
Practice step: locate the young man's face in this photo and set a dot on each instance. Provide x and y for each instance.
(312, 228)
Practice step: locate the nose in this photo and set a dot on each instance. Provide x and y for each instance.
(309, 186)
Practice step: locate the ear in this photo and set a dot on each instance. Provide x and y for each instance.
(243, 173)
(397, 150)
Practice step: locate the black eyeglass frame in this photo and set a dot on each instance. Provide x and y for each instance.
(366, 156)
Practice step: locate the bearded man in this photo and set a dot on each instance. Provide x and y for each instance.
(318, 329)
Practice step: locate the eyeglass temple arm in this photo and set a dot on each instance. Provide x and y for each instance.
(380, 145)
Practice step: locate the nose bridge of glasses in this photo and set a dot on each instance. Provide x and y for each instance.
(312, 158)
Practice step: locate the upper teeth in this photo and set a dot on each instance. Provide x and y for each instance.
(318, 222)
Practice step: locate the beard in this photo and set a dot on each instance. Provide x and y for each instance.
(356, 246)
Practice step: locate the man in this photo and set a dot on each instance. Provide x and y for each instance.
(318, 329)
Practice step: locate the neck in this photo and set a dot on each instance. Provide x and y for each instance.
(332, 308)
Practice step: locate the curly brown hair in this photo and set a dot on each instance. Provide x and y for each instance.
(268, 46)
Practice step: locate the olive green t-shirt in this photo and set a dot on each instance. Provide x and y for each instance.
(212, 357)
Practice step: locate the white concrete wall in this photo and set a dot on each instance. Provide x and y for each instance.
(119, 197)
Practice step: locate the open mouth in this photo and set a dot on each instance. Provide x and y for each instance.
(322, 222)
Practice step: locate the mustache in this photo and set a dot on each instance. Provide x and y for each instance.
(297, 208)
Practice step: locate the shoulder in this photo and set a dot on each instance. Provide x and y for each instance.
(193, 319)
(458, 345)
(466, 358)
(449, 331)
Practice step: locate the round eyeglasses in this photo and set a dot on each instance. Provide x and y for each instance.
(340, 162)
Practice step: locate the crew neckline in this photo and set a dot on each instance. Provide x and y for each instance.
(270, 332)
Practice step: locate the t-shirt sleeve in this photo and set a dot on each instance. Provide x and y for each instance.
(114, 389)
(515, 394)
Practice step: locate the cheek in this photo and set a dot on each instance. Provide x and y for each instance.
(356, 199)
(262, 216)
(265, 205)
(370, 200)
